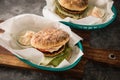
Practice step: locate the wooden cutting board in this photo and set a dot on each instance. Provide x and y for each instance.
(8, 59)
(111, 57)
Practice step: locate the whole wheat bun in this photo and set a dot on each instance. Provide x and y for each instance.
(75, 5)
(49, 38)
(24, 38)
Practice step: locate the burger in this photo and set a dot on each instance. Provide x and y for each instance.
(70, 8)
(53, 43)
(50, 41)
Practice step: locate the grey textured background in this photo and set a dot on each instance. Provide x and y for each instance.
(10, 8)
(108, 37)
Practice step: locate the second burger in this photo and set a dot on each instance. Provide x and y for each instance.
(71, 8)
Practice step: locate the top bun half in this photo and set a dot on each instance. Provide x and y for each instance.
(49, 38)
(75, 5)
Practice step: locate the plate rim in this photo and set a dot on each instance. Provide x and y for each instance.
(79, 44)
(92, 27)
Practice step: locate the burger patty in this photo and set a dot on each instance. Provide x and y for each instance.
(60, 14)
(52, 54)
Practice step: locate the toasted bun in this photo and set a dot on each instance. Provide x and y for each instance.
(97, 12)
(76, 5)
(49, 38)
(25, 37)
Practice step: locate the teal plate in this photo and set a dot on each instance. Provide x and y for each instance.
(92, 27)
(53, 69)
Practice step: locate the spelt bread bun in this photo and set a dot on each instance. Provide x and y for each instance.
(75, 5)
(50, 39)
(24, 38)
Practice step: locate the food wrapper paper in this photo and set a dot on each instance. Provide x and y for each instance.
(13, 26)
(104, 5)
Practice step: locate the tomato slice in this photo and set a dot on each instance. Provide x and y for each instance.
(43, 50)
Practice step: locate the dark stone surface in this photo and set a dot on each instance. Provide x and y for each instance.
(10, 8)
(7, 73)
(108, 37)
(100, 71)
(93, 71)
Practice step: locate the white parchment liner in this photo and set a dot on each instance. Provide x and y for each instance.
(106, 5)
(15, 25)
